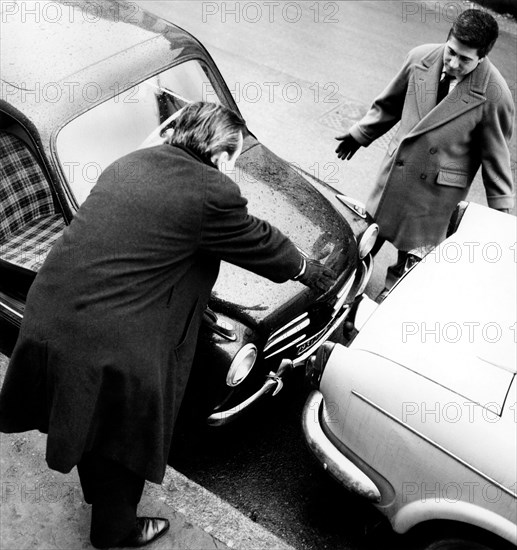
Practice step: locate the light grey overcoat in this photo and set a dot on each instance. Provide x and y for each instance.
(435, 154)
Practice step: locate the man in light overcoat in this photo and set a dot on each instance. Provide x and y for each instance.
(456, 115)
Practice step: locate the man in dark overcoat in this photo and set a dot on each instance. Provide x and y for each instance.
(111, 321)
(456, 114)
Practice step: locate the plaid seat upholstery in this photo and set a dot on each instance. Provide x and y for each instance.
(24, 191)
(29, 246)
(29, 224)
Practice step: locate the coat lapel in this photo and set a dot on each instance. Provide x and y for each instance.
(468, 94)
(425, 82)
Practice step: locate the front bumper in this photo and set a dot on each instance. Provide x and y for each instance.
(286, 337)
(273, 382)
(344, 471)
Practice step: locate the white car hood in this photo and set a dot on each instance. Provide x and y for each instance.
(452, 319)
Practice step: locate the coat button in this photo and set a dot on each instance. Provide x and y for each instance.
(400, 163)
(423, 176)
(433, 150)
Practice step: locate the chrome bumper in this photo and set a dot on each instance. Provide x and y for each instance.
(273, 384)
(223, 417)
(347, 473)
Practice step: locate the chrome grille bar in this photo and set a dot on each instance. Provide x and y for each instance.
(295, 320)
(303, 323)
(343, 293)
(288, 345)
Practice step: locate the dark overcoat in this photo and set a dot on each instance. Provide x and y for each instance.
(111, 321)
(437, 149)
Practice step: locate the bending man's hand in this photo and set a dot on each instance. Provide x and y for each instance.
(315, 275)
(347, 148)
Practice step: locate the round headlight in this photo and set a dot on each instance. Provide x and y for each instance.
(367, 240)
(241, 365)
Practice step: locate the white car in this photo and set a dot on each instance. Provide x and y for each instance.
(418, 413)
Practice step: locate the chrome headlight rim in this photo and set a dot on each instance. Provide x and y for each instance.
(367, 240)
(241, 365)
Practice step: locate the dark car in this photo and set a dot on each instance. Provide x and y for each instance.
(90, 82)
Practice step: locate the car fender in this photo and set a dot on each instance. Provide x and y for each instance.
(418, 512)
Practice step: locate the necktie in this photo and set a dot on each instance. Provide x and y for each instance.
(443, 87)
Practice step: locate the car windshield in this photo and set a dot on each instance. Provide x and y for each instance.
(142, 116)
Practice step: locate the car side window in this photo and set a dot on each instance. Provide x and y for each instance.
(137, 118)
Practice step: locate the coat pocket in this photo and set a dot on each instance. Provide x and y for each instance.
(452, 178)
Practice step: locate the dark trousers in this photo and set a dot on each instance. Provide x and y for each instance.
(114, 493)
(404, 262)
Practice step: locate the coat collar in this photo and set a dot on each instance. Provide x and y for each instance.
(468, 93)
(195, 155)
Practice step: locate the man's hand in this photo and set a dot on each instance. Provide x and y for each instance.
(347, 148)
(317, 276)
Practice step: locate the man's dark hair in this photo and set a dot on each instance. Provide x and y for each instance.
(207, 129)
(476, 29)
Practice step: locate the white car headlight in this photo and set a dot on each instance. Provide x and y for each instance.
(241, 365)
(367, 240)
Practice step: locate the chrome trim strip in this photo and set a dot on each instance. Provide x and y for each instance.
(11, 310)
(333, 461)
(289, 333)
(367, 265)
(434, 444)
(354, 205)
(326, 334)
(343, 295)
(295, 341)
(347, 283)
(296, 319)
(280, 334)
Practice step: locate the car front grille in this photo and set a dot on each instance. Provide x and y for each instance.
(300, 336)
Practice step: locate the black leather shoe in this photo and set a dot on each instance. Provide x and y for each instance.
(147, 530)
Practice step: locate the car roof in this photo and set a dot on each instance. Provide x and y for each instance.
(60, 58)
(452, 318)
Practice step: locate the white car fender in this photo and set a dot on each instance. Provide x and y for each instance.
(418, 512)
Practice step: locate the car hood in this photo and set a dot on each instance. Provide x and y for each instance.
(452, 318)
(278, 194)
